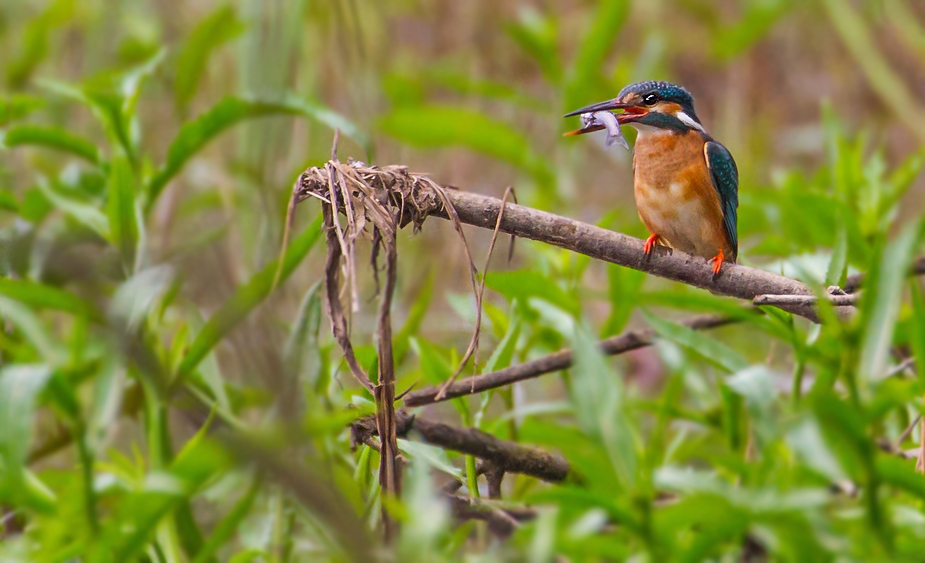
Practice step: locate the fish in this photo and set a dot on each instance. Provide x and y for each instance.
(598, 120)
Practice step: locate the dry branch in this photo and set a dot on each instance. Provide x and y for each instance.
(506, 456)
(421, 197)
(630, 340)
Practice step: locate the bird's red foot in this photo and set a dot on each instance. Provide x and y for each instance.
(717, 262)
(650, 244)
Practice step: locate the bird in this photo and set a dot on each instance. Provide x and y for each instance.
(686, 184)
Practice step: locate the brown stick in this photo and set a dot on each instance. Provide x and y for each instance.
(778, 300)
(507, 456)
(557, 361)
(389, 461)
(332, 298)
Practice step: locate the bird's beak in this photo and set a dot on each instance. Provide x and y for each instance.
(631, 113)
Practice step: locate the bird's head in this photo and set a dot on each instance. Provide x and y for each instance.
(645, 105)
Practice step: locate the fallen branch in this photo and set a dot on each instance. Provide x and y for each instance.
(630, 340)
(506, 456)
(421, 197)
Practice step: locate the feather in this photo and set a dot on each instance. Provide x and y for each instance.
(725, 177)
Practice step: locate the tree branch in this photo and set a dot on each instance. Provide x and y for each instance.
(505, 456)
(630, 340)
(421, 197)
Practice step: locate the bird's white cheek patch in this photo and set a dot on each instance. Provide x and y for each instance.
(688, 120)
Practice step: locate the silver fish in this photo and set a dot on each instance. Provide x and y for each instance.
(609, 122)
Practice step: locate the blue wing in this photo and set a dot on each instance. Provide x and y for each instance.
(726, 181)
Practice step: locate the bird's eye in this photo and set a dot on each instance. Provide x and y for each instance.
(650, 99)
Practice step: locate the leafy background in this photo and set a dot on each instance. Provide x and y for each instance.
(169, 390)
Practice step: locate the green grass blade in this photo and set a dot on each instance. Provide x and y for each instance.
(882, 302)
(217, 28)
(20, 386)
(52, 138)
(704, 346)
(120, 208)
(40, 296)
(83, 212)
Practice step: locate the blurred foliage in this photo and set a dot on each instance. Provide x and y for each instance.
(169, 390)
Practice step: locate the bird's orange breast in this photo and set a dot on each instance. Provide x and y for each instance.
(675, 194)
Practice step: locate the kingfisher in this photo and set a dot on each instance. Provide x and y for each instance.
(686, 184)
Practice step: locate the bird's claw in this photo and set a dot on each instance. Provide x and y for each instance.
(651, 242)
(717, 262)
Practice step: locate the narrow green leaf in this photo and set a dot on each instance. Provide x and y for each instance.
(52, 138)
(901, 474)
(83, 212)
(699, 343)
(32, 328)
(195, 134)
(881, 306)
(598, 397)
(217, 28)
(121, 211)
(917, 329)
(41, 296)
(839, 260)
(17, 106)
(248, 296)
(524, 284)
(20, 385)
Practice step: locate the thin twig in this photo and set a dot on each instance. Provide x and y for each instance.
(847, 300)
(630, 340)
(480, 292)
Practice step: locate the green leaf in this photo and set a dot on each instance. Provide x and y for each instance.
(917, 328)
(120, 207)
(32, 328)
(247, 297)
(107, 108)
(301, 352)
(446, 126)
(881, 306)
(434, 456)
(704, 346)
(524, 284)
(901, 474)
(839, 260)
(41, 296)
(20, 386)
(503, 354)
(195, 134)
(50, 137)
(17, 106)
(598, 397)
(217, 28)
(83, 212)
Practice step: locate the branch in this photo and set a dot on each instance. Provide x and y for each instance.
(421, 197)
(630, 340)
(506, 456)
(847, 300)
